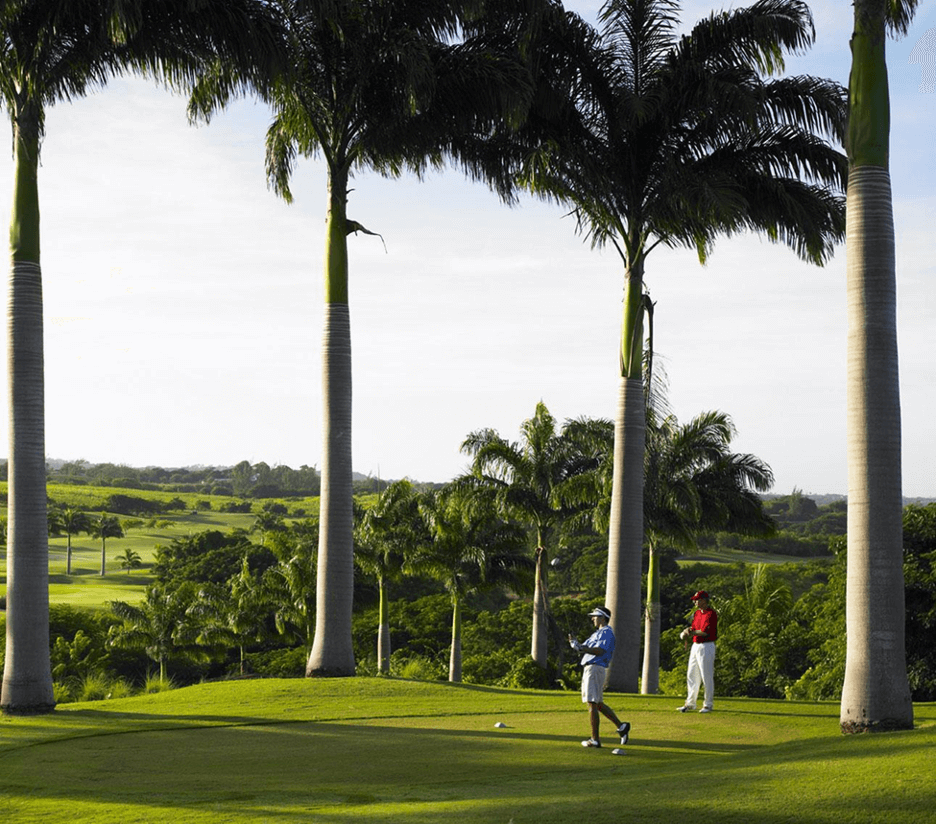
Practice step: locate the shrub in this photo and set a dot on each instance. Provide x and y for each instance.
(526, 674)
(416, 667)
(154, 684)
(277, 663)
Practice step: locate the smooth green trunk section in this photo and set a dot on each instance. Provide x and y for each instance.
(24, 222)
(868, 136)
(632, 322)
(336, 240)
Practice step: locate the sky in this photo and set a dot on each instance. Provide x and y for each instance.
(184, 301)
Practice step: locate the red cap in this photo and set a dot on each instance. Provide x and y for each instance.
(700, 594)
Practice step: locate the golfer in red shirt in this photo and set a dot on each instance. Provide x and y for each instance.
(703, 631)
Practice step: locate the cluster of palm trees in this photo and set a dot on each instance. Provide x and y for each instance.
(498, 525)
(649, 136)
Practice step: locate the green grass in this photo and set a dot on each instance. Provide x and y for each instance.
(378, 750)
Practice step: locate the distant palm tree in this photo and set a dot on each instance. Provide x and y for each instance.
(676, 139)
(469, 548)
(381, 86)
(107, 526)
(535, 482)
(54, 51)
(876, 692)
(73, 522)
(129, 560)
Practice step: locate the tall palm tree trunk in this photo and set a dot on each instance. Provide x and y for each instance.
(876, 692)
(650, 675)
(332, 653)
(383, 630)
(68, 556)
(27, 674)
(455, 655)
(103, 556)
(625, 534)
(538, 644)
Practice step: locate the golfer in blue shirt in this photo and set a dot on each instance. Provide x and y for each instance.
(596, 655)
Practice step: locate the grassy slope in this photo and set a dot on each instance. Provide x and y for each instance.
(388, 750)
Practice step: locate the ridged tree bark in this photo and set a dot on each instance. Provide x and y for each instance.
(332, 652)
(876, 692)
(27, 674)
(626, 533)
(540, 634)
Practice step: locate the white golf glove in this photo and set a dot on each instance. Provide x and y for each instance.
(574, 643)
(684, 634)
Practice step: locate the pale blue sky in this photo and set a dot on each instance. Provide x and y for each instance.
(183, 301)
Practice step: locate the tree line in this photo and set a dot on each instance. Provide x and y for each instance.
(649, 136)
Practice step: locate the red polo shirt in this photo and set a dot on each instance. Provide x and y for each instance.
(705, 620)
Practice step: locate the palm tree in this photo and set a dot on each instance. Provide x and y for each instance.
(107, 526)
(693, 483)
(73, 522)
(385, 534)
(380, 86)
(675, 140)
(129, 560)
(535, 484)
(160, 625)
(50, 52)
(469, 548)
(876, 691)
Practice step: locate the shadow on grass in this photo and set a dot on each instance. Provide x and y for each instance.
(351, 772)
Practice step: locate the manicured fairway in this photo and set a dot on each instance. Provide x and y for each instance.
(389, 750)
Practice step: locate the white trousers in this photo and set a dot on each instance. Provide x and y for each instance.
(701, 671)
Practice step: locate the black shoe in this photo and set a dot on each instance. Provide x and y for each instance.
(624, 732)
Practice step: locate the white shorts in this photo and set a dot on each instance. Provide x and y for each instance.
(593, 679)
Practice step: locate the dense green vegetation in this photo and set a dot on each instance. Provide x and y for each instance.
(242, 587)
(377, 750)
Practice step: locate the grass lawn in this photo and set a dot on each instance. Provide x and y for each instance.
(386, 750)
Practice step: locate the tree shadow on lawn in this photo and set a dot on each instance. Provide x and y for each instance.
(281, 770)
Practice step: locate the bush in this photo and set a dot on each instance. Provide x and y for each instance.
(525, 674)
(416, 667)
(277, 663)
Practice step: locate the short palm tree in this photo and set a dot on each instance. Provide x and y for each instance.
(534, 482)
(161, 625)
(55, 51)
(379, 86)
(469, 548)
(675, 140)
(384, 534)
(129, 560)
(73, 522)
(107, 526)
(693, 484)
(876, 692)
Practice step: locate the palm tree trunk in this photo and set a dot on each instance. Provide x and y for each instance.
(383, 631)
(27, 674)
(332, 652)
(455, 656)
(68, 556)
(650, 676)
(876, 692)
(538, 646)
(103, 556)
(625, 534)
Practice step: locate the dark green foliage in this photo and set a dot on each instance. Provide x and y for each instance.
(208, 556)
(920, 579)
(131, 505)
(277, 663)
